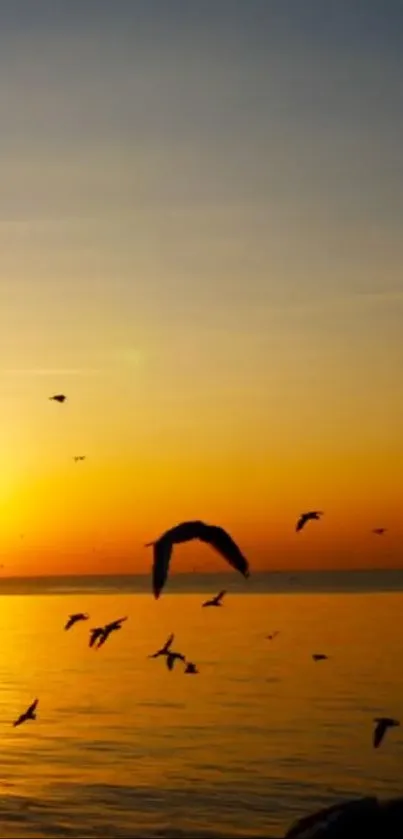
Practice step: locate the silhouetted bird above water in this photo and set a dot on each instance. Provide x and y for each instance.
(58, 397)
(320, 657)
(27, 715)
(191, 668)
(80, 616)
(106, 631)
(217, 537)
(379, 531)
(217, 600)
(171, 657)
(382, 725)
(113, 625)
(165, 649)
(304, 517)
(79, 457)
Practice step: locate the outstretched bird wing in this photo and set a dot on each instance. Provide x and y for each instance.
(32, 707)
(162, 556)
(94, 634)
(168, 643)
(223, 543)
(379, 733)
(115, 624)
(102, 638)
(172, 657)
(220, 596)
(302, 521)
(71, 620)
(183, 532)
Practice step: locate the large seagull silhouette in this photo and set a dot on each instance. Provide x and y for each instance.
(215, 536)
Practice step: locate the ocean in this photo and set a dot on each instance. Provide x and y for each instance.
(262, 736)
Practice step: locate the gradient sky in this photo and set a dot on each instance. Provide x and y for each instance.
(201, 215)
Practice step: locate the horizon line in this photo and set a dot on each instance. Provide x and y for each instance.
(287, 572)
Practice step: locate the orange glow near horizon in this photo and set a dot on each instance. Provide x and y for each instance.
(95, 517)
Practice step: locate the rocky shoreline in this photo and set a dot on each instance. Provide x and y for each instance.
(357, 819)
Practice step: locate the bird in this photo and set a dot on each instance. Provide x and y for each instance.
(72, 619)
(79, 457)
(319, 657)
(191, 668)
(382, 725)
(95, 634)
(217, 600)
(272, 636)
(165, 649)
(171, 657)
(379, 531)
(58, 397)
(304, 517)
(29, 714)
(107, 629)
(113, 625)
(217, 537)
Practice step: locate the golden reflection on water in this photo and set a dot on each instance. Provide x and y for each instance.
(261, 721)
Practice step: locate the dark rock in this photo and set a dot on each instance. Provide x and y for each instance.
(366, 817)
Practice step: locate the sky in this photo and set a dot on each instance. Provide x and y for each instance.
(201, 214)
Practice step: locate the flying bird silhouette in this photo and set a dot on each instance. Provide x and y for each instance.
(72, 619)
(217, 600)
(107, 629)
(79, 457)
(272, 636)
(379, 531)
(114, 625)
(171, 657)
(29, 714)
(311, 516)
(320, 657)
(217, 537)
(191, 668)
(165, 649)
(382, 725)
(58, 397)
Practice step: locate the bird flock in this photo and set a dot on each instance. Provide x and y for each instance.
(220, 540)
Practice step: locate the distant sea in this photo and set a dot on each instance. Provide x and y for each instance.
(259, 583)
(124, 748)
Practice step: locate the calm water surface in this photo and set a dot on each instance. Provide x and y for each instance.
(123, 748)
